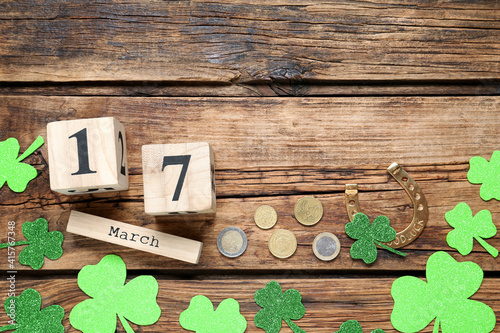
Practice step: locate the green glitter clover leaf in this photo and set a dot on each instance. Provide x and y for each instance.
(468, 227)
(353, 326)
(41, 243)
(445, 296)
(278, 306)
(368, 235)
(111, 297)
(27, 316)
(16, 174)
(486, 173)
(201, 317)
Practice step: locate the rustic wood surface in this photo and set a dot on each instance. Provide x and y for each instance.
(296, 98)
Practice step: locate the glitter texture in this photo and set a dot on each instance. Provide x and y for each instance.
(353, 326)
(27, 313)
(278, 306)
(444, 297)
(468, 227)
(111, 297)
(16, 174)
(368, 235)
(201, 317)
(486, 173)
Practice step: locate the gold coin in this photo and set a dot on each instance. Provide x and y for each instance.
(308, 211)
(265, 217)
(282, 243)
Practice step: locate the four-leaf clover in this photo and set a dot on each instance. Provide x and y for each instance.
(278, 306)
(201, 317)
(16, 174)
(486, 173)
(111, 297)
(353, 326)
(444, 296)
(25, 310)
(368, 235)
(468, 227)
(40, 242)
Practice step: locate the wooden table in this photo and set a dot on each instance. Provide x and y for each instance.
(296, 98)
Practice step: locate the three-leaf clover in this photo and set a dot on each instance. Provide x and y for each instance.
(278, 306)
(201, 317)
(16, 174)
(444, 296)
(111, 297)
(486, 173)
(353, 326)
(40, 242)
(368, 235)
(468, 227)
(27, 316)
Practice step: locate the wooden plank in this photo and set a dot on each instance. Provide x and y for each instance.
(328, 302)
(273, 152)
(236, 41)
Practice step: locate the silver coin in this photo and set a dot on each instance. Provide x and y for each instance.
(326, 246)
(232, 242)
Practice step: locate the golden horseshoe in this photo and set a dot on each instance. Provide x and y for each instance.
(420, 207)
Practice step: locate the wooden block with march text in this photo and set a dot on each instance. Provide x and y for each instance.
(87, 156)
(178, 178)
(135, 237)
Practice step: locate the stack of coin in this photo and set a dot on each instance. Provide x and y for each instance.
(282, 243)
(265, 217)
(232, 242)
(308, 211)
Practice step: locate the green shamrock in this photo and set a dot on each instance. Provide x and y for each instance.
(201, 317)
(368, 235)
(27, 316)
(277, 306)
(468, 227)
(41, 243)
(111, 297)
(487, 173)
(16, 174)
(444, 297)
(353, 326)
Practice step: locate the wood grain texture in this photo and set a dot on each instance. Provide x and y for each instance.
(273, 152)
(241, 42)
(328, 302)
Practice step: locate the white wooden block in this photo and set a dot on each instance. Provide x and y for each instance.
(135, 237)
(87, 156)
(178, 178)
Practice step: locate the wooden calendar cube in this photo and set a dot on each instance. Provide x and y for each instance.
(178, 178)
(87, 156)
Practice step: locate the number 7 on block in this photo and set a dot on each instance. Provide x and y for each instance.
(178, 178)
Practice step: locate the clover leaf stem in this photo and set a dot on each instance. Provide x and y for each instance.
(31, 149)
(125, 324)
(491, 250)
(293, 326)
(8, 328)
(390, 249)
(4, 245)
(437, 323)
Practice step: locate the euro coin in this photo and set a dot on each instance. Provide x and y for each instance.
(308, 211)
(282, 243)
(265, 217)
(232, 242)
(326, 246)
